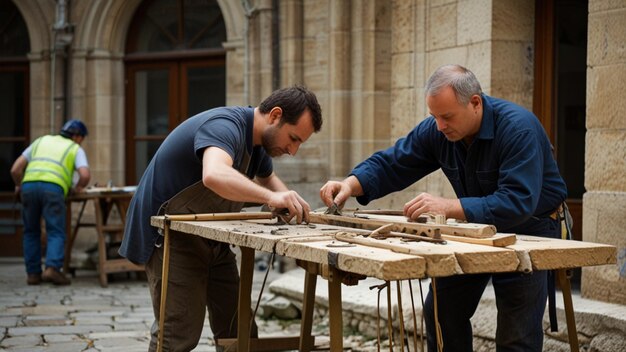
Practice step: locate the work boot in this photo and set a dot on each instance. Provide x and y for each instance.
(34, 279)
(55, 276)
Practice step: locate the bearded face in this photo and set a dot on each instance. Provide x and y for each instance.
(269, 140)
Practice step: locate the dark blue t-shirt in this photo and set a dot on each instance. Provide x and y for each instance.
(177, 164)
(507, 177)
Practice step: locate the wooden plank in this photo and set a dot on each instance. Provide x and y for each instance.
(286, 343)
(372, 222)
(244, 313)
(120, 265)
(256, 234)
(368, 261)
(497, 240)
(548, 253)
(446, 260)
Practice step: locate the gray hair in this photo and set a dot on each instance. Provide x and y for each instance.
(462, 81)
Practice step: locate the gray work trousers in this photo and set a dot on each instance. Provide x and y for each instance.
(203, 276)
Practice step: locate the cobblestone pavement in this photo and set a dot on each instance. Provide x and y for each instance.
(87, 317)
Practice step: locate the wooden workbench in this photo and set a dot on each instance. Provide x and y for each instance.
(315, 246)
(104, 200)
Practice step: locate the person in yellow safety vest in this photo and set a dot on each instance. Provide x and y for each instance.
(43, 174)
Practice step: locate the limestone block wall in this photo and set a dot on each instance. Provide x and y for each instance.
(494, 39)
(340, 50)
(604, 203)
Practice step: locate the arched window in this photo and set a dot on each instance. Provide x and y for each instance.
(175, 68)
(14, 95)
(15, 119)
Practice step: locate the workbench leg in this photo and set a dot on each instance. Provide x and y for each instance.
(245, 291)
(164, 281)
(102, 247)
(306, 340)
(69, 241)
(566, 290)
(334, 308)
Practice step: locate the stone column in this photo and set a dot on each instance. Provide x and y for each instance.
(260, 52)
(291, 42)
(40, 96)
(338, 109)
(235, 61)
(604, 203)
(98, 100)
(370, 78)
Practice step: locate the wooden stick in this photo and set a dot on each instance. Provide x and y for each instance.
(411, 237)
(461, 229)
(566, 289)
(164, 280)
(497, 240)
(220, 216)
(379, 212)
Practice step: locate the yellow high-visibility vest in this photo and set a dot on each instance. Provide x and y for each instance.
(52, 160)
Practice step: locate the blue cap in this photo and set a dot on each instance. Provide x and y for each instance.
(72, 128)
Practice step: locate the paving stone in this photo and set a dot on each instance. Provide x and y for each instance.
(104, 320)
(129, 326)
(69, 329)
(9, 321)
(134, 319)
(21, 341)
(121, 344)
(117, 334)
(67, 346)
(30, 349)
(48, 322)
(62, 338)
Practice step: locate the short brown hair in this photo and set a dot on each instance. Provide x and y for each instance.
(294, 101)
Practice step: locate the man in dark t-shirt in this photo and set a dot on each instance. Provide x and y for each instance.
(213, 162)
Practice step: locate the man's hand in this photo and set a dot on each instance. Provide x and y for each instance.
(335, 192)
(77, 189)
(292, 201)
(427, 203)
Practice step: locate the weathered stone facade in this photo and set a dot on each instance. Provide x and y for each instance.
(367, 61)
(604, 203)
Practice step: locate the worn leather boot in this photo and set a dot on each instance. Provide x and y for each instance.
(55, 276)
(34, 279)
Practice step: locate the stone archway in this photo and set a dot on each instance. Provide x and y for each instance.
(98, 81)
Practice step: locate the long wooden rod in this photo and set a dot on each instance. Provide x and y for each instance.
(464, 229)
(164, 280)
(221, 216)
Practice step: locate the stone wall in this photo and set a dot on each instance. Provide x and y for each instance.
(604, 203)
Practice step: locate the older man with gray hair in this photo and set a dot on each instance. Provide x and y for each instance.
(499, 161)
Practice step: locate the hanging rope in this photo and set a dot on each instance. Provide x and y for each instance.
(400, 315)
(437, 326)
(389, 321)
(422, 323)
(380, 288)
(414, 320)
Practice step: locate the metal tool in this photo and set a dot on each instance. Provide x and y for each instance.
(333, 210)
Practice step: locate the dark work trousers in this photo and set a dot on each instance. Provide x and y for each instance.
(520, 299)
(202, 276)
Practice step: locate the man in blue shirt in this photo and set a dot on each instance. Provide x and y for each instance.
(499, 161)
(211, 163)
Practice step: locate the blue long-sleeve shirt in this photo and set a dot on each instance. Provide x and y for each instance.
(506, 177)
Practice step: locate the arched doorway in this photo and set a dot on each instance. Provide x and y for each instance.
(175, 68)
(15, 117)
